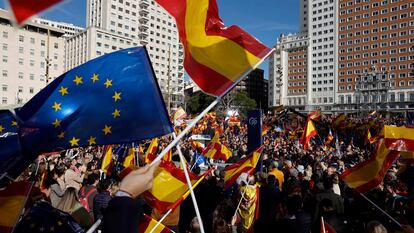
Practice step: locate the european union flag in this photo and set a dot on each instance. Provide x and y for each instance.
(10, 152)
(112, 99)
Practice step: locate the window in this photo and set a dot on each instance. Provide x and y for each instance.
(31, 76)
(56, 46)
(5, 59)
(4, 73)
(21, 38)
(20, 89)
(32, 40)
(5, 35)
(4, 47)
(31, 90)
(4, 100)
(4, 88)
(20, 75)
(20, 61)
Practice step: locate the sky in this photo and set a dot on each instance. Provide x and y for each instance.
(264, 19)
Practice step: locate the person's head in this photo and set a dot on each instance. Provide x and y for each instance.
(375, 227)
(104, 185)
(328, 183)
(93, 179)
(195, 226)
(69, 200)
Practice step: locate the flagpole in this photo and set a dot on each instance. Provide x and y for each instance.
(203, 113)
(238, 205)
(323, 225)
(160, 221)
(190, 186)
(94, 226)
(379, 208)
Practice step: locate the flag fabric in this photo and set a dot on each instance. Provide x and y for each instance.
(399, 138)
(196, 145)
(130, 158)
(330, 138)
(250, 202)
(12, 160)
(150, 154)
(12, 201)
(112, 99)
(217, 151)
(309, 132)
(338, 121)
(265, 129)
(247, 165)
(216, 56)
(180, 114)
(234, 120)
(326, 228)
(369, 139)
(368, 174)
(169, 186)
(315, 115)
(24, 9)
(147, 223)
(107, 161)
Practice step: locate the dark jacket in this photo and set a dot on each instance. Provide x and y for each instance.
(100, 202)
(122, 215)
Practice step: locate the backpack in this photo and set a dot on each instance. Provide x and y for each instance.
(83, 199)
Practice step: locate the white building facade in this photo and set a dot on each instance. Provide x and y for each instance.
(119, 24)
(24, 55)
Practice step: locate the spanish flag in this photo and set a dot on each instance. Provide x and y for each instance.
(12, 201)
(147, 224)
(330, 138)
(216, 56)
(315, 115)
(180, 114)
(338, 121)
(196, 145)
(217, 151)
(107, 161)
(399, 138)
(393, 143)
(369, 139)
(130, 158)
(169, 187)
(247, 165)
(308, 132)
(151, 151)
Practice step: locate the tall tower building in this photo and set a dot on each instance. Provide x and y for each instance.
(359, 57)
(376, 55)
(118, 24)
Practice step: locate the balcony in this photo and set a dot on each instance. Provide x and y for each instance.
(144, 3)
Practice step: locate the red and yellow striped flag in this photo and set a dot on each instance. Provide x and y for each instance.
(308, 132)
(315, 115)
(107, 161)
(393, 143)
(247, 165)
(338, 121)
(147, 224)
(169, 187)
(399, 138)
(369, 139)
(217, 151)
(369, 174)
(130, 158)
(180, 114)
(151, 151)
(12, 201)
(216, 56)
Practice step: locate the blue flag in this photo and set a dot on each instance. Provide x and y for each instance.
(112, 99)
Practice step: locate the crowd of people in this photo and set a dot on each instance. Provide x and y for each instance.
(291, 190)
